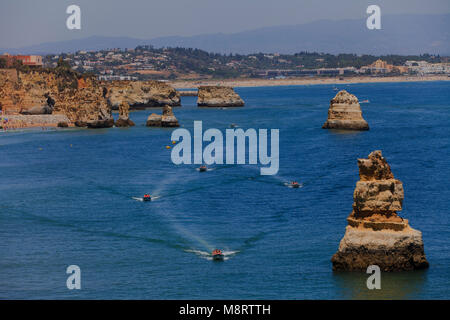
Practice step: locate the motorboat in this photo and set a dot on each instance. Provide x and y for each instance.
(147, 197)
(203, 168)
(294, 184)
(217, 255)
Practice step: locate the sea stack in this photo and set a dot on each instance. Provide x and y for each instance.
(167, 119)
(375, 234)
(124, 120)
(218, 96)
(345, 113)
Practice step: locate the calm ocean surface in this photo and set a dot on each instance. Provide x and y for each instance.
(66, 198)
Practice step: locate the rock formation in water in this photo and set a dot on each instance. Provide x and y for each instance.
(55, 92)
(375, 234)
(167, 119)
(345, 113)
(218, 96)
(124, 119)
(141, 94)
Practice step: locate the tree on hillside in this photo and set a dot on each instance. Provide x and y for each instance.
(63, 64)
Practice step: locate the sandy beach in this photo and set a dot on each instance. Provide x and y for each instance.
(184, 84)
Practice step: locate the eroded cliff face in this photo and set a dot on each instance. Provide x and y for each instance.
(58, 92)
(38, 90)
(141, 94)
(10, 91)
(375, 234)
(26, 94)
(167, 119)
(345, 113)
(218, 96)
(85, 105)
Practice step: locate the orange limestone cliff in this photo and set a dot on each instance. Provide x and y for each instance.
(10, 92)
(345, 113)
(55, 95)
(85, 105)
(375, 234)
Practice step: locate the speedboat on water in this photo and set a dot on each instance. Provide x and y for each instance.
(295, 184)
(147, 197)
(202, 168)
(217, 255)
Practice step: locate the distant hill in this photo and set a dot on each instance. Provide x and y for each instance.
(400, 34)
(94, 43)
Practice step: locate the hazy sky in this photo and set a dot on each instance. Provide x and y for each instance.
(26, 22)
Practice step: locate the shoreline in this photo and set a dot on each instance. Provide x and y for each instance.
(17, 121)
(235, 83)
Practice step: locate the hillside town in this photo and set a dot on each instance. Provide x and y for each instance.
(148, 63)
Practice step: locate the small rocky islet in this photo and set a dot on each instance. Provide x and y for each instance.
(345, 113)
(140, 94)
(167, 119)
(218, 96)
(124, 116)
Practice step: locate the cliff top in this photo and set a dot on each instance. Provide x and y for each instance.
(344, 97)
(375, 167)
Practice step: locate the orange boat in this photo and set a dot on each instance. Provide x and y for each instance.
(217, 255)
(295, 184)
(147, 197)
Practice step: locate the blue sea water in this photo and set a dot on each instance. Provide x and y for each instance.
(66, 199)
